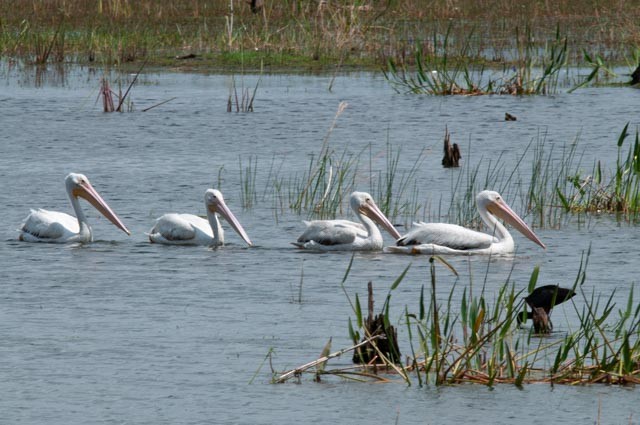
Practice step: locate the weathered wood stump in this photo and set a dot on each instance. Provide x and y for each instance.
(451, 152)
(388, 342)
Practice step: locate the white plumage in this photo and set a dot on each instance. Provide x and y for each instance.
(345, 235)
(444, 238)
(51, 226)
(189, 229)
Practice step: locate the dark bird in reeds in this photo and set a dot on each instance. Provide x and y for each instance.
(635, 76)
(541, 301)
(256, 5)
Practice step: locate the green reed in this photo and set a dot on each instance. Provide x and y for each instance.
(396, 191)
(447, 70)
(329, 178)
(244, 101)
(309, 35)
(479, 341)
(619, 193)
(248, 175)
(553, 183)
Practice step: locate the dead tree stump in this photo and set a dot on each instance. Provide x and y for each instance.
(451, 153)
(388, 342)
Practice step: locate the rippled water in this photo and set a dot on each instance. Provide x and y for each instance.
(123, 331)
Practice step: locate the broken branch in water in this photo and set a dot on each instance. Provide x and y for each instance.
(297, 371)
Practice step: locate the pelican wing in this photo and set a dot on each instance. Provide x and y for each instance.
(446, 235)
(178, 228)
(43, 224)
(331, 232)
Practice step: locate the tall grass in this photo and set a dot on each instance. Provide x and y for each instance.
(550, 182)
(248, 176)
(328, 179)
(545, 183)
(596, 192)
(311, 34)
(244, 101)
(397, 190)
(446, 70)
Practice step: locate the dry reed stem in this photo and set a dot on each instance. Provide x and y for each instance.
(297, 371)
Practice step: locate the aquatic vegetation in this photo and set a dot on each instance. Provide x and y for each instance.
(248, 175)
(397, 188)
(107, 95)
(480, 341)
(441, 71)
(619, 194)
(553, 185)
(244, 103)
(305, 35)
(321, 189)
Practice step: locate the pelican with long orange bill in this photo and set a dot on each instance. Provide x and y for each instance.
(56, 227)
(345, 235)
(189, 229)
(444, 238)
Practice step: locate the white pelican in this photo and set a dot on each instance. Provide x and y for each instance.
(189, 229)
(443, 238)
(344, 235)
(52, 226)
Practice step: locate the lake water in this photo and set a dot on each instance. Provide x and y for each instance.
(122, 331)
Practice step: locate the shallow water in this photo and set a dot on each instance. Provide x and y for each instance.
(123, 331)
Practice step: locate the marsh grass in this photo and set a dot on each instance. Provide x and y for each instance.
(329, 178)
(545, 183)
(548, 182)
(618, 193)
(108, 96)
(248, 175)
(447, 70)
(244, 101)
(477, 339)
(312, 35)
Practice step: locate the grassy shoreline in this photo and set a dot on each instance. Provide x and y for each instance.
(295, 35)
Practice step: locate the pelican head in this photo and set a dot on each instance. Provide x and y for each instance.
(78, 186)
(492, 201)
(215, 204)
(363, 203)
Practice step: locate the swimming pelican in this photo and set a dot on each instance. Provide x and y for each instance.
(189, 229)
(443, 238)
(52, 226)
(345, 235)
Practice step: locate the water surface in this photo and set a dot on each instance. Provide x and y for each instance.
(123, 331)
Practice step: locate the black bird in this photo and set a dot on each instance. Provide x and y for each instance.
(545, 297)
